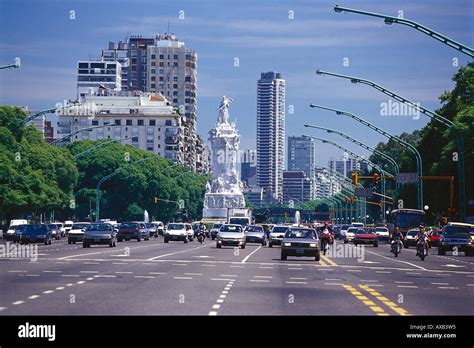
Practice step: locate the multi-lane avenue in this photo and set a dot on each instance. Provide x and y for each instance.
(154, 278)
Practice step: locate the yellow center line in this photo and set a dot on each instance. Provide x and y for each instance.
(328, 260)
(365, 300)
(322, 263)
(392, 305)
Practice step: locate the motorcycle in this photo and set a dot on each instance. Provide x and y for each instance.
(396, 247)
(201, 236)
(420, 249)
(325, 240)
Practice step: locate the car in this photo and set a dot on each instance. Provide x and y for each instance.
(435, 235)
(99, 234)
(176, 231)
(319, 229)
(300, 241)
(255, 234)
(231, 235)
(410, 238)
(357, 224)
(366, 236)
(456, 237)
(132, 230)
(276, 235)
(344, 231)
(61, 228)
(382, 233)
(12, 227)
(215, 230)
(55, 231)
(337, 232)
(76, 233)
(160, 228)
(67, 226)
(189, 231)
(153, 232)
(267, 228)
(350, 234)
(33, 233)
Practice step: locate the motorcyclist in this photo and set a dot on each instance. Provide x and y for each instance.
(397, 237)
(422, 237)
(326, 233)
(202, 230)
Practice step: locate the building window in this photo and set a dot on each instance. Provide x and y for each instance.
(153, 71)
(118, 122)
(162, 56)
(162, 64)
(95, 123)
(152, 123)
(140, 122)
(153, 85)
(129, 122)
(153, 56)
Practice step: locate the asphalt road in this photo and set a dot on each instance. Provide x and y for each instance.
(153, 278)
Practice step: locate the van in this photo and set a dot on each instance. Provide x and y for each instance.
(11, 229)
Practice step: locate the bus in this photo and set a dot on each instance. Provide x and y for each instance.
(405, 220)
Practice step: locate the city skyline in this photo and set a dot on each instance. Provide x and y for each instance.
(264, 39)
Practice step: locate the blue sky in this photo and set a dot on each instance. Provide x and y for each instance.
(263, 37)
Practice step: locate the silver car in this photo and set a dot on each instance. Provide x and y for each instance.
(299, 241)
(232, 235)
(99, 234)
(255, 234)
(276, 235)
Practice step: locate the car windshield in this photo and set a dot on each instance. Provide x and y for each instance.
(175, 227)
(52, 227)
(364, 231)
(98, 227)
(344, 227)
(456, 231)
(352, 229)
(239, 221)
(381, 229)
(216, 226)
(279, 229)
(79, 226)
(254, 229)
(303, 234)
(149, 225)
(412, 232)
(128, 225)
(231, 228)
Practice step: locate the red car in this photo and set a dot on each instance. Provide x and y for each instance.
(434, 237)
(366, 236)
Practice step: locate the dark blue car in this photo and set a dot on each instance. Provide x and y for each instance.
(37, 233)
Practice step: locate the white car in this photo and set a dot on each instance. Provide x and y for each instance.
(350, 234)
(232, 235)
(382, 233)
(276, 235)
(76, 233)
(160, 228)
(67, 226)
(11, 229)
(357, 224)
(176, 231)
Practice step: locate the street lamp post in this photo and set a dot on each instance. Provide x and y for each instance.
(15, 65)
(433, 116)
(412, 24)
(401, 142)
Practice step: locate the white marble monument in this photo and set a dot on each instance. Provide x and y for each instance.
(225, 188)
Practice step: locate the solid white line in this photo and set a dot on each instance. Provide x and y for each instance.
(178, 252)
(18, 303)
(32, 297)
(248, 256)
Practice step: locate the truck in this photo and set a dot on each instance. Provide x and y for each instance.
(239, 216)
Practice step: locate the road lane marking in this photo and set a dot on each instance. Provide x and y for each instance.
(192, 274)
(32, 297)
(123, 272)
(296, 282)
(354, 270)
(365, 300)
(177, 252)
(52, 271)
(225, 279)
(2, 308)
(328, 260)
(213, 313)
(322, 263)
(16, 271)
(228, 275)
(60, 288)
(89, 272)
(235, 266)
(216, 306)
(407, 286)
(32, 275)
(16, 303)
(184, 278)
(105, 276)
(259, 280)
(394, 260)
(334, 284)
(179, 264)
(159, 273)
(328, 279)
(253, 252)
(119, 263)
(144, 277)
(295, 268)
(267, 277)
(207, 265)
(386, 272)
(403, 282)
(301, 278)
(264, 267)
(70, 275)
(48, 292)
(220, 300)
(440, 283)
(448, 287)
(470, 284)
(392, 305)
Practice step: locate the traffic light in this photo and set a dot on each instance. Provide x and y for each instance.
(355, 178)
(376, 177)
(155, 200)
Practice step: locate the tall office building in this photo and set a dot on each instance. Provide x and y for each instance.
(248, 168)
(301, 154)
(93, 75)
(271, 135)
(297, 186)
(346, 166)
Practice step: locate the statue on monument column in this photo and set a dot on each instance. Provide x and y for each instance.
(224, 110)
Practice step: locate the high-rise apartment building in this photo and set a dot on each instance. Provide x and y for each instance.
(271, 135)
(297, 186)
(301, 154)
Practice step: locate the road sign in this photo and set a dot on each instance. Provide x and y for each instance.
(291, 203)
(363, 191)
(407, 178)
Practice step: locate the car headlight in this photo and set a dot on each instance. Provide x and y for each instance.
(313, 245)
(287, 244)
(107, 236)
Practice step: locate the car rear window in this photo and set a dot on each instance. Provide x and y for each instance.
(79, 226)
(254, 229)
(175, 227)
(452, 231)
(279, 229)
(128, 225)
(305, 234)
(231, 228)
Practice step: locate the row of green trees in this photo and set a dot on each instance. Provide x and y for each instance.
(37, 178)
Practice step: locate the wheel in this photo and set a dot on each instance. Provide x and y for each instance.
(84, 245)
(185, 241)
(74, 242)
(166, 240)
(213, 237)
(218, 246)
(317, 257)
(441, 251)
(139, 239)
(111, 244)
(264, 243)
(346, 241)
(283, 257)
(270, 245)
(376, 245)
(422, 257)
(242, 246)
(68, 242)
(119, 240)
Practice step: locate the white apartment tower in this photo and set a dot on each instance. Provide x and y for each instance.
(271, 135)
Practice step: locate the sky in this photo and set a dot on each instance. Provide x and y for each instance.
(291, 37)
